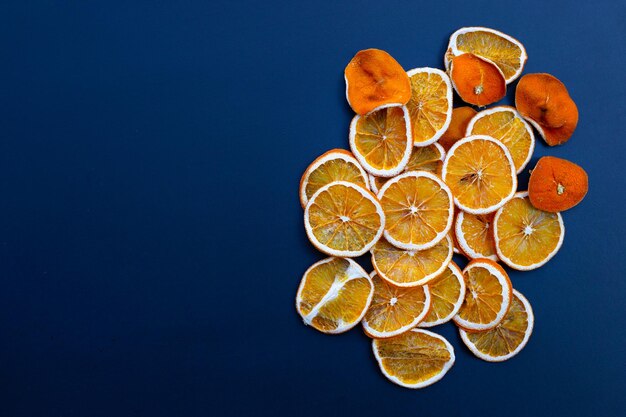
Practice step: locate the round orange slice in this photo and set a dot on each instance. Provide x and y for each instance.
(508, 338)
(447, 292)
(414, 359)
(409, 268)
(430, 106)
(382, 141)
(334, 295)
(477, 81)
(394, 310)
(509, 127)
(474, 234)
(343, 219)
(480, 173)
(418, 210)
(526, 237)
(334, 165)
(487, 296)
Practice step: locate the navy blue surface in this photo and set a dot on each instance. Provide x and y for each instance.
(151, 238)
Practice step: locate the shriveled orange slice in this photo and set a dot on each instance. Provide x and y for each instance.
(343, 219)
(382, 141)
(447, 292)
(477, 81)
(509, 127)
(394, 310)
(409, 268)
(487, 296)
(461, 117)
(475, 236)
(414, 359)
(480, 173)
(334, 165)
(526, 237)
(503, 50)
(418, 210)
(334, 295)
(430, 105)
(508, 338)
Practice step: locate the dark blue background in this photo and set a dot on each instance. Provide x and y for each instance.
(151, 239)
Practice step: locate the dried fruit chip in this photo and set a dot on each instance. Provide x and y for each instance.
(447, 292)
(477, 81)
(474, 234)
(557, 184)
(461, 117)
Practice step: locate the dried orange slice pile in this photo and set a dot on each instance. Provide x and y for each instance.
(424, 180)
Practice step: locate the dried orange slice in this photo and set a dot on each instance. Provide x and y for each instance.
(480, 173)
(414, 359)
(375, 80)
(474, 234)
(487, 296)
(503, 50)
(526, 237)
(509, 127)
(394, 310)
(447, 292)
(557, 184)
(343, 219)
(334, 295)
(409, 268)
(382, 141)
(334, 165)
(461, 117)
(477, 81)
(430, 105)
(418, 210)
(508, 338)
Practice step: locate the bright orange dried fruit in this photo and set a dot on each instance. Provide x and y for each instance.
(461, 117)
(476, 80)
(557, 184)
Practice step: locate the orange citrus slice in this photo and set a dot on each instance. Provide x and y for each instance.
(477, 81)
(382, 141)
(414, 359)
(447, 292)
(526, 237)
(418, 210)
(508, 338)
(509, 127)
(487, 296)
(343, 219)
(409, 268)
(506, 52)
(461, 117)
(394, 310)
(474, 234)
(480, 173)
(430, 105)
(334, 165)
(334, 295)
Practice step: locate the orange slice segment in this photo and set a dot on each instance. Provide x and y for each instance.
(382, 141)
(394, 310)
(477, 81)
(461, 117)
(508, 338)
(418, 210)
(343, 219)
(447, 292)
(480, 173)
(526, 237)
(334, 295)
(414, 359)
(474, 234)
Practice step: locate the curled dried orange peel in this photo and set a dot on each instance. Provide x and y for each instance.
(476, 80)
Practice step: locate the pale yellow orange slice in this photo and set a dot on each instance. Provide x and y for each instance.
(447, 292)
(474, 233)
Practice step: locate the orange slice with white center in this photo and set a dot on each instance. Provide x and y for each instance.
(418, 210)
(447, 292)
(474, 235)
(526, 237)
(394, 310)
(343, 219)
(334, 295)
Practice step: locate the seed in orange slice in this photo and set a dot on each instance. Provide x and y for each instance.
(475, 236)
(509, 127)
(343, 219)
(447, 292)
(409, 268)
(508, 338)
(382, 141)
(414, 359)
(394, 310)
(526, 237)
(480, 173)
(557, 184)
(334, 165)
(477, 81)
(461, 117)
(487, 296)
(374, 79)
(418, 210)
(334, 295)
